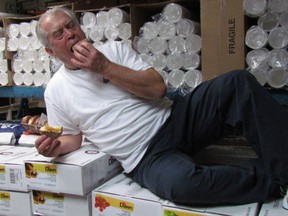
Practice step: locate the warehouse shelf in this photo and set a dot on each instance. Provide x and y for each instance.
(25, 93)
(21, 92)
(280, 95)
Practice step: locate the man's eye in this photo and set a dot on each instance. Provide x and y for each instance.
(58, 34)
(70, 25)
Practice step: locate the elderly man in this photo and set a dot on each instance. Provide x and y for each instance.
(118, 102)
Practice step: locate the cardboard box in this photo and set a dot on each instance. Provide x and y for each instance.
(222, 34)
(273, 208)
(122, 196)
(15, 203)
(10, 152)
(54, 204)
(120, 192)
(12, 172)
(5, 147)
(76, 173)
(27, 140)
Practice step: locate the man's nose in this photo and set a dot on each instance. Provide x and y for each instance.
(68, 32)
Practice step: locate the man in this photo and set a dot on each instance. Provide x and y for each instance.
(118, 102)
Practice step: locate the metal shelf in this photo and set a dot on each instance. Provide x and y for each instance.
(22, 92)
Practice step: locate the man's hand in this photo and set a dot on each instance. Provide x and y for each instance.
(147, 84)
(54, 148)
(88, 57)
(48, 147)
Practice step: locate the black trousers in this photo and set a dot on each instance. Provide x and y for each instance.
(232, 100)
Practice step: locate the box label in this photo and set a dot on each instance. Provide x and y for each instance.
(5, 202)
(2, 175)
(15, 176)
(48, 203)
(41, 175)
(106, 206)
(232, 36)
(171, 212)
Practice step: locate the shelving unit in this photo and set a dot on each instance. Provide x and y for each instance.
(21, 92)
(25, 94)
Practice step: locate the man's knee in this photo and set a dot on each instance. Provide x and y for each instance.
(236, 74)
(238, 78)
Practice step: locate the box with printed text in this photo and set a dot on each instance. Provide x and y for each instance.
(222, 33)
(12, 172)
(57, 204)
(15, 203)
(273, 208)
(76, 173)
(122, 196)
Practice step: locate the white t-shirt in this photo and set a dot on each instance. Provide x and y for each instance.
(116, 121)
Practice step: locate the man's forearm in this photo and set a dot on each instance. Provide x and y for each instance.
(70, 143)
(147, 84)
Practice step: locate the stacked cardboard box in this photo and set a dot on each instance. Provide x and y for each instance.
(273, 208)
(15, 203)
(52, 186)
(15, 198)
(122, 196)
(63, 185)
(222, 32)
(12, 169)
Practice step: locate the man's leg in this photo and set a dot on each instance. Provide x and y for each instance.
(232, 100)
(174, 176)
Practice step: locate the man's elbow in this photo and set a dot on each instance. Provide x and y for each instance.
(157, 86)
(163, 91)
(160, 91)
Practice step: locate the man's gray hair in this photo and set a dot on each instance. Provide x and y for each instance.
(42, 35)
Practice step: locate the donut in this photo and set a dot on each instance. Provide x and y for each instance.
(25, 119)
(33, 119)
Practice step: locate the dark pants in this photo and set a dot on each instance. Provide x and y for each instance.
(233, 100)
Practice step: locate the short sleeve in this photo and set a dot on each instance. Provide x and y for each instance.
(57, 117)
(123, 54)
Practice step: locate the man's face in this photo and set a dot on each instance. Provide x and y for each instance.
(63, 33)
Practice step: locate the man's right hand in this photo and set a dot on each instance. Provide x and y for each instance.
(48, 147)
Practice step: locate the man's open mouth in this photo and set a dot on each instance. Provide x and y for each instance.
(72, 50)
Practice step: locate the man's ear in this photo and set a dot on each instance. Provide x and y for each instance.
(49, 51)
